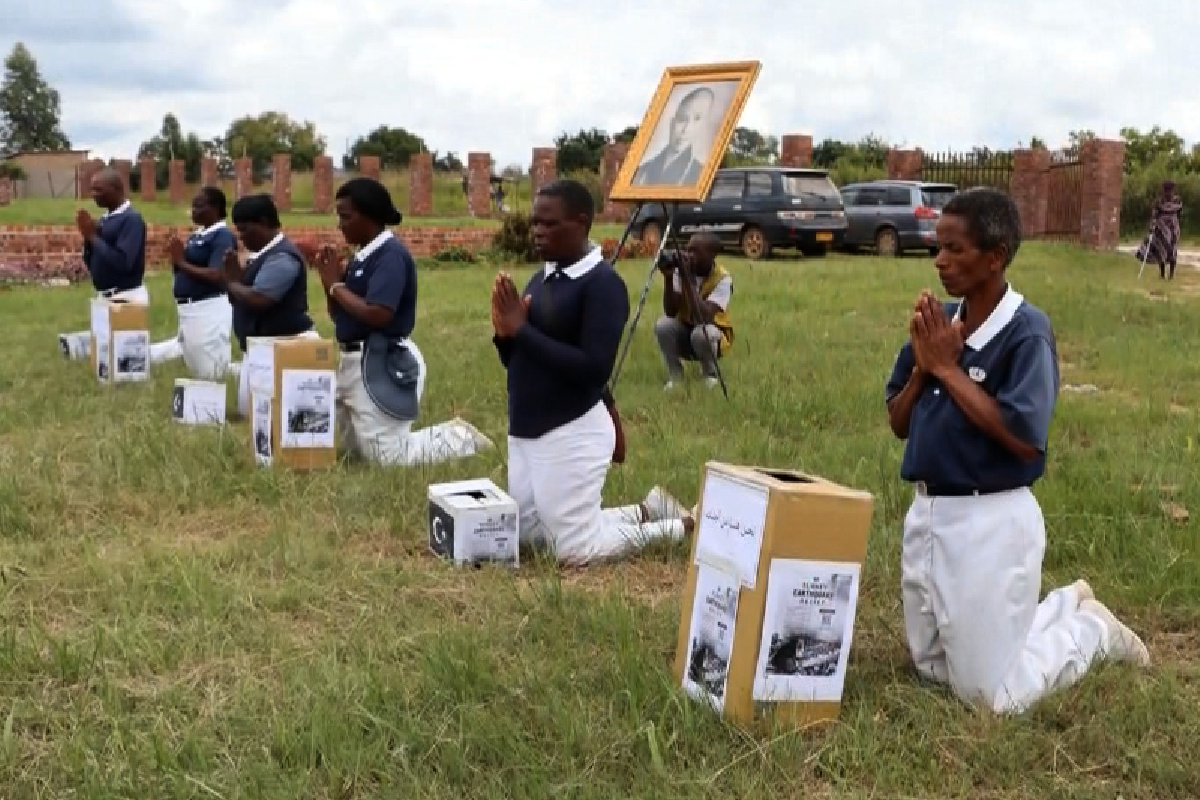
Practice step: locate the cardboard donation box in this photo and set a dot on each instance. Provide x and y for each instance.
(772, 588)
(292, 382)
(473, 522)
(76, 345)
(120, 341)
(198, 402)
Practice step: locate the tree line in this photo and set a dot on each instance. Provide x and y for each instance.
(30, 119)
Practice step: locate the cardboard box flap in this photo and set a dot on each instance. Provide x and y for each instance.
(789, 480)
(462, 495)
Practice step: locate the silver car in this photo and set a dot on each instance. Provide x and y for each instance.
(894, 216)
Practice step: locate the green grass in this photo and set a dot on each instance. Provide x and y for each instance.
(179, 624)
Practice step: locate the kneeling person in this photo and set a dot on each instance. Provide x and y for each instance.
(558, 341)
(205, 316)
(270, 294)
(373, 304)
(691, 334)
(973, 393)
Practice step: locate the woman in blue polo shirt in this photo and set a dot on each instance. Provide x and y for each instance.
(972, 394)
(205, 316)
(377, 293)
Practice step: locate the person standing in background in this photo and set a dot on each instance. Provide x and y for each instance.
(205, 316)
(1162, 242)
(114, 248)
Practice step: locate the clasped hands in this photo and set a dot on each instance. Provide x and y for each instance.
(86, 225)
(509, 309)
(937, 341)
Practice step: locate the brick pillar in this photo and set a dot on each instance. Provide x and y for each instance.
(544, 168)
(281, 181)
(369, 167)
(6, 191)
(610, 164)
(1029, 187)
(479, 184)
(124, 167)
(83, 177)
(905, 165)
(243, 177)
(1103, 166)
(208, 172)
(147, 173)
(323, 185)
(795, 150)
(176, 181)
(420, 185)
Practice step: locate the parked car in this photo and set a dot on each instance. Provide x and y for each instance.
(894, 216)
(757, 209)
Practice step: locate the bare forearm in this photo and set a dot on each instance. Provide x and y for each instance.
(901, 406)
(244, 295)
(982, 410)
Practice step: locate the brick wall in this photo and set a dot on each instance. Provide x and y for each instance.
(54, 251)
(323, 185)
(6, 191)
(795, 150)
(148, 179)
(1029, 190)
(479, 185)
(543, 169)
(905, 165)
(420, 185)
(1103, 162)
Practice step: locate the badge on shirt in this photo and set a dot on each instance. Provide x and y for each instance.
(976, 374)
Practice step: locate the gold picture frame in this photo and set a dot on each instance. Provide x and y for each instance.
(676, 171)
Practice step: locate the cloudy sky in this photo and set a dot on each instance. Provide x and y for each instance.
(507, 75)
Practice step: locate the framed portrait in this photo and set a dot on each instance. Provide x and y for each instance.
(684, 134)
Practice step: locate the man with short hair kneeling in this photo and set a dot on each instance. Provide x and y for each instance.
(558, 341)
(973, 393)
(685, 333)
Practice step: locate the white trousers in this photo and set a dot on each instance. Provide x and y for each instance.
(971, 570)
(368, 432)
(203, 340)
(243, 390)
(138, 294)
(557, 481)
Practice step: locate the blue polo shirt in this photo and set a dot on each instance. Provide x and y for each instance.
(561, 358)
(382, 273)
(1013, 357)
(205, 248)
(116, 258)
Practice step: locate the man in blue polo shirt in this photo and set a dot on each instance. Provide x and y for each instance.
(558, 341)
(972, 394)
(114, 248)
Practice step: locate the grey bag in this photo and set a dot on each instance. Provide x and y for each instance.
(390, 372)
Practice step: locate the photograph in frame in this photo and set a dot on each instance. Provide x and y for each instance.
(685, 132)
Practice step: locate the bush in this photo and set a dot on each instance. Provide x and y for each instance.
(515, 237)
(454, 254)
(12, 170)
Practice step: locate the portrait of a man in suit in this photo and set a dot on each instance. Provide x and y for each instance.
(681, 161)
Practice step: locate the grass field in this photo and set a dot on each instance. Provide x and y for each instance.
(179, 624)
(449, 203)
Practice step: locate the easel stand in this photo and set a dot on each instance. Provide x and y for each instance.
(692, 295)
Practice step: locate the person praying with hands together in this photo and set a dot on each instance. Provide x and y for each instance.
(270, 294)
(558, 341)
(972, 395)
(205, 316)
(381, 373)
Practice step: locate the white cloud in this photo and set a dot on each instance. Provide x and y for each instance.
(508, 76)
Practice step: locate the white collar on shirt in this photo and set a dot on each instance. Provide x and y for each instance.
(216, 226)
(370, 247)
(1001, 315)
(250, 256)
(121, 209)
(580, 267)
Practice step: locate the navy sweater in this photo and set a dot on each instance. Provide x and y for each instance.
(561, 358)
(204, 249)
(116, 259)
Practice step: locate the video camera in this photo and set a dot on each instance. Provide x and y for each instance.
(673, 259)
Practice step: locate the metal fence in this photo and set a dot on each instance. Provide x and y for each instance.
(967, 170)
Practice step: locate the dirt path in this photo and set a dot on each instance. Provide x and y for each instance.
(1187, 258)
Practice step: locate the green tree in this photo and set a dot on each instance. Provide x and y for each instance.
(29, 107)
(450, 162)
(581, 151)
(170, 143)
(626, 136)
(1154, 146)
(260, 138)
(748, 147)
(394, 146)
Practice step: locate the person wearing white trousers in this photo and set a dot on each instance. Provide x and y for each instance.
(204, 337)
(376, 293)
(972, 395)
(114, 248)
(558, 342)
